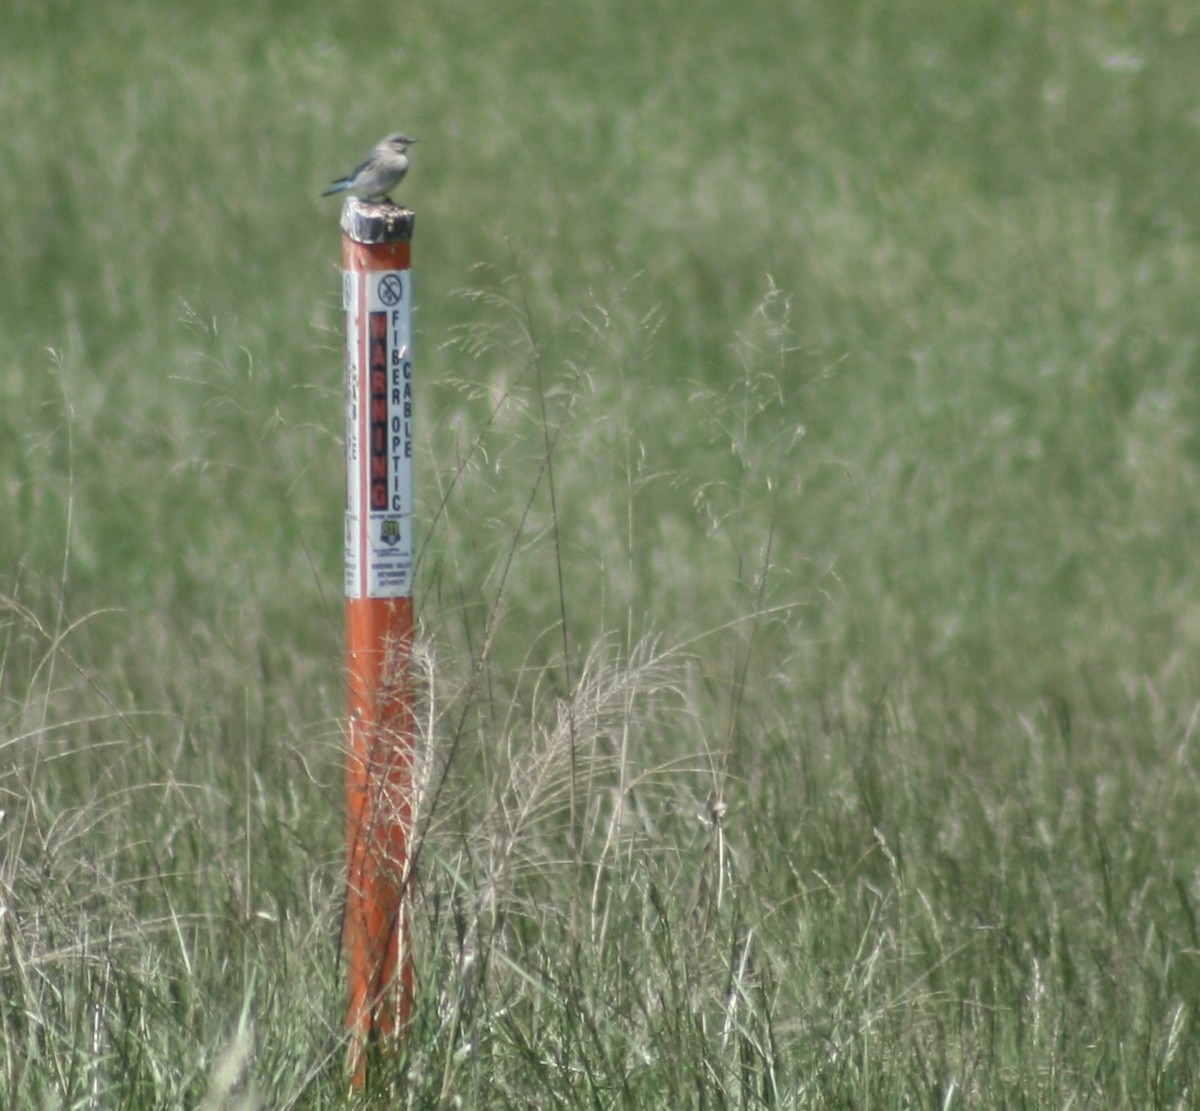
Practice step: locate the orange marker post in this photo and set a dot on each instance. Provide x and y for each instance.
(377, 296)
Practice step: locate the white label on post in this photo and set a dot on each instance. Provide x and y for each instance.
(379, 434)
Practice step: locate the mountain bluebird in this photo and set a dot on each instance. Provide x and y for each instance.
(379, 172)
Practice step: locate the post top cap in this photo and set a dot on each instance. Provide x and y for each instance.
(367, 222)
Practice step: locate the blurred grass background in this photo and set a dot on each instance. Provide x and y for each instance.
(867, 341)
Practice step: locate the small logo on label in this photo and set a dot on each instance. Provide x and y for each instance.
(389, 531)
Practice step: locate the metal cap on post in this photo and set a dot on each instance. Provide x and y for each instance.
(377, 297)
(370, 224)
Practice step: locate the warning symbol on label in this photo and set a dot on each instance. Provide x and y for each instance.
(391, 289)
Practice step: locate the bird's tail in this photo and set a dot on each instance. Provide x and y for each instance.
(339, 186)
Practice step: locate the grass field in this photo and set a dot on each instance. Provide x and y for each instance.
(828, 736)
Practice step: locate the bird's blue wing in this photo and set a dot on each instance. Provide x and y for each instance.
(347, 178)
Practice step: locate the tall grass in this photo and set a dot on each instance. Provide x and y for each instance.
(808, 404)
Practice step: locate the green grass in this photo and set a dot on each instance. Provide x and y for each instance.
(862, 341)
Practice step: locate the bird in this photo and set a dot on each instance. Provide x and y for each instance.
(377, 174)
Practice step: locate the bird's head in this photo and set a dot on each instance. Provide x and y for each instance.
(399, 143)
